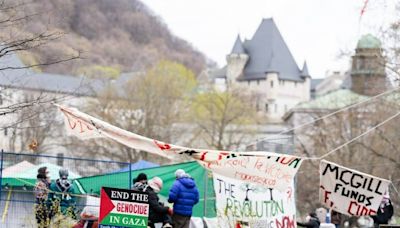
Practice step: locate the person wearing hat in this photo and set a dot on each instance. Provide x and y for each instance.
(184, 195)
(61, 195)
(312, 221)
(41, 191)
(140, 182)
(158, 213)
(385, 211)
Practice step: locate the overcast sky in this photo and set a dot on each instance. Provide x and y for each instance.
(314, 30)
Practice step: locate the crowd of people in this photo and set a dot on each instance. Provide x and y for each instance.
(183, 195)
(57, 198)
(330, 218)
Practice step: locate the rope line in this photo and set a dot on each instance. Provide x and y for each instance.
(353, 139)
(323, 117)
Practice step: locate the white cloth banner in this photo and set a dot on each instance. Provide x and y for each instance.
(349, 191)
(264, 168)
(240, 204)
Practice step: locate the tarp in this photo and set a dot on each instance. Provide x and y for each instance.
(17, 168)
(142, 164)
(204, 183)
(28, 177)
(271, 170)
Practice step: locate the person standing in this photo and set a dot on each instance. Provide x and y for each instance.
(184, 195)
(385, 211)
(61, 195)
(158, 213)
(140, 182)
(41, 191)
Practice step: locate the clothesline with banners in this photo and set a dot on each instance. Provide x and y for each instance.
(268, 169)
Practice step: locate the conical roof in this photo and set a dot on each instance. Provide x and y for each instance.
(238, 47)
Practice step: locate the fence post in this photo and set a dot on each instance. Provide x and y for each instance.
(1, 171)
(130, 175)
(205, 192)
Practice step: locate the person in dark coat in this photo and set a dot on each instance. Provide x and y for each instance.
(312, 221)
(41, 190)
(384, 213)
(158, 213)
(184, 195)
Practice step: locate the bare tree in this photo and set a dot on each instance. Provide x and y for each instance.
(224, 120)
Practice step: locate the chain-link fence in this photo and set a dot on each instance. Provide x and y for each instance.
(18, 177)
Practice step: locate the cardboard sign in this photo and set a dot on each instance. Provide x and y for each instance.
(349, 191)
(242, 204)
(123, 208)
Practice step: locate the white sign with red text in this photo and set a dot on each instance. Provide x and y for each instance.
(349, 191)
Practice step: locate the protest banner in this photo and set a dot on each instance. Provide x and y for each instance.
(264, 168)
(240, 204)
(123, 208)
(349, 191)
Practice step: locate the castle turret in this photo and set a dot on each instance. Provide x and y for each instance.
(237, 60)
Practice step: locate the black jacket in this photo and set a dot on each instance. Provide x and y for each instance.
(384, 214)
(156, 209)
(313, 223)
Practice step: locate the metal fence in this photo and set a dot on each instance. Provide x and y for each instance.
(18, 175)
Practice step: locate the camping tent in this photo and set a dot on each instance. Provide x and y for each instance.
(204, 183)
(142, 164)
(27, 177)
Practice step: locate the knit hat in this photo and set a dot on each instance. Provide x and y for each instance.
(42, 174)
(179, 173)
(63, 173)
(156, 184)
(140, 177)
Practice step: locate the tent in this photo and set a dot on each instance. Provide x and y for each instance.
(27, 177)
(205, 207)
(142, 164)
(17, 168)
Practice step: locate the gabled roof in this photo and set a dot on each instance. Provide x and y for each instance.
(14, 75)
(238, 47)
(268, 52)
(314, 83)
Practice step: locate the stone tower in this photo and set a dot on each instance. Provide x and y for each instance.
(368, 75)
(236, 60)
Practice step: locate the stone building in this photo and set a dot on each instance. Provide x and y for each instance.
(265, 66)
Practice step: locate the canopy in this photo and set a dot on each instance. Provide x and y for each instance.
(17, 168)
(28, 176)
(204, 183)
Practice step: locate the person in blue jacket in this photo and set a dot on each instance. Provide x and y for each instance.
(184, 195)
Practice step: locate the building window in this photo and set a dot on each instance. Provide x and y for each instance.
(60, 159)
(5, 131)
(266, 107)
(272, 84)
(258, 82)
(276, 108)
(295, 84)
(1, 99)
(248, 82)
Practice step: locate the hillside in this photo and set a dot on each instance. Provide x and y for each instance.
(116, 35)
